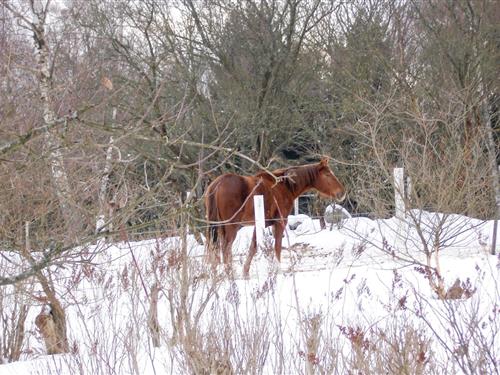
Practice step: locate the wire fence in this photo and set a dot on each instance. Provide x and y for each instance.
(196, 224)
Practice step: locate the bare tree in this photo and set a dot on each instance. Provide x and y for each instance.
(39, 12)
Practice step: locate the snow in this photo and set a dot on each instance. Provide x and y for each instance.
(364, 273)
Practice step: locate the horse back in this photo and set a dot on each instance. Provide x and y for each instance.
(229, 196)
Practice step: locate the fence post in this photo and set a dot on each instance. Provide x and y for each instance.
(399, 193)
(258, 204)
(296, 206)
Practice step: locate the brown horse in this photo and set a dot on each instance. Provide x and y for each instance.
(229, 203)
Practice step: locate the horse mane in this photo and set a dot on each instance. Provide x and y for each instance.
(294, 178)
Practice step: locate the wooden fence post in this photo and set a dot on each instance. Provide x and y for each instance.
(258, 204)
(399, 193)
(296, 206)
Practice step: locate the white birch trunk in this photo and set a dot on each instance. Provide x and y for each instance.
(103, 189)
(52, 141)
(490, 144)
(399, 193)
(493, 166)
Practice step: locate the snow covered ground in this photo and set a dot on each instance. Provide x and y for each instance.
(339, 296)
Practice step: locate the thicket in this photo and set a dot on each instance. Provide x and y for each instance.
(110, 111)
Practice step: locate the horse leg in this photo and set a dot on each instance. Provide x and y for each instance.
(251, 254)
(230, 232)
(214, 244)
(279, 229)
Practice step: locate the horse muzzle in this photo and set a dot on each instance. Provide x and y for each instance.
(340, 197)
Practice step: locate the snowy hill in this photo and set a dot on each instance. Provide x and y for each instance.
(352, 298)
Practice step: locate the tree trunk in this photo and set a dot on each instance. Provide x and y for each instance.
(103, 190)
(490, 142)
(492, 157)
(52, 141)
(52, 321)
(52, 326)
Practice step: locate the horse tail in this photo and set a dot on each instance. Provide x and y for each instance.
(212, 216)
(213, 236)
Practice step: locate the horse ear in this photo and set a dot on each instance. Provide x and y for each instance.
(324, 161)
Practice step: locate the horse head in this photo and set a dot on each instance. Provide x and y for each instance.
(327, 184)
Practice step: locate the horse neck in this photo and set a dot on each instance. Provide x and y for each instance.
(304, 181)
